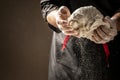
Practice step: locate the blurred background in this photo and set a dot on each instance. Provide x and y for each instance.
(25, 41)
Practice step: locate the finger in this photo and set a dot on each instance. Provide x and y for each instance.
(105, 37)
(73, 33)
(96, 37)
(106, 30)
(62, 25)
(61, 22)
(98, 42)
(93, 39)
(64, 28)
(102, 34)
(106, 19)
(112, 31)
(64, 12)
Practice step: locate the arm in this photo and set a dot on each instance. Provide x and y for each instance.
(56, 15)
(103, 33)
(116, 18)
(51, 18)
(58, 18)
(49, 9)
(48, 6)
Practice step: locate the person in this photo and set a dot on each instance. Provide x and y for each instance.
(81, 58)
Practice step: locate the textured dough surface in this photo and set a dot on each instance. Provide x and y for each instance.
(86, 19)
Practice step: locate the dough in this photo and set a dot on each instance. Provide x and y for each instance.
(87, 19)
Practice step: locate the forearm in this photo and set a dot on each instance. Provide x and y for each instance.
(116, 17)
(51, 18)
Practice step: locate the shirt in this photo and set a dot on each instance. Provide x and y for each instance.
(82, 59)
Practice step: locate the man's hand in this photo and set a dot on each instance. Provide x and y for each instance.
(103, 34)
(58, 18)
(61, 21)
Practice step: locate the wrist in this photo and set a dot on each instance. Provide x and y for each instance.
(116, 19)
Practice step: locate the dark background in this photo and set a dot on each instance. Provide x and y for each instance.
(24, 41)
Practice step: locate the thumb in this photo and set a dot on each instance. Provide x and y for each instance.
(106, 19)
(64, 12)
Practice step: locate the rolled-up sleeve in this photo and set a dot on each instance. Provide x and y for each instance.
(46, 7)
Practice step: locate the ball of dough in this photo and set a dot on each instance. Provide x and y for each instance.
(86, 19)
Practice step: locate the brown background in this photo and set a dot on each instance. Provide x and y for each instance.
(24, 41)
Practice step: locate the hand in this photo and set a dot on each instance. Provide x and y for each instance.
(104, 34)
(61, 21)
